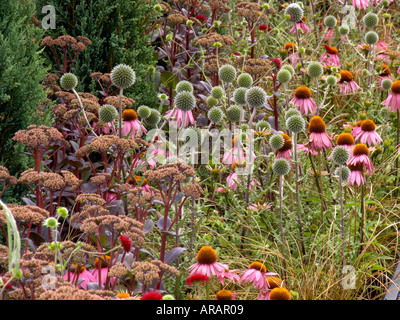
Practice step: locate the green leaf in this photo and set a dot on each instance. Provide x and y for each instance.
(168, 79)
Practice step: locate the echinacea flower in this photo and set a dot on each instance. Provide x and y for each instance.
(357, 128)
(79, 273)
(228, 274)
(367, 134)
(304, 148)
(272, 283)
(384, 74)
(177, 115)
(196, 278)
(346, 83)
(280, 293)
(357, 176)
(258, 206)
(301, 26)
(318, 138)
(330, 34)
(292, 55)
(256, 274)
(285, 151)
(131, 124)
(392, 102)
(346, 140)
(360, 157)
(224, 295)
(233, 180)
(207, 263)
(151, 295)
(330, 57)
(303, 101)
(360, 4)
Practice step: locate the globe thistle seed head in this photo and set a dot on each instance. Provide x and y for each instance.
(108, 113)
(386, 84)
(245, 80)
(215, 114)
(217, 92)
(144, 112)
(211, 101)
(263, 125)
(276, 141)
(371, 37)
(51, 223)
(331, 80)
(295, 12)
(68, 81)
(185, 101)
(340, 155)
(239, 96)
(227, 73)
(284, 76)
(281, 167)
(234, 113)
(122, 76)
(289, 68)
(191, 136)
(154, 118)
(292, 112)
(344, 30)
(256, 97)
(345, 173)
(371, 20)
(295, 124)
(184, 86)
(62, 212)
(330, 22)
(315, 69)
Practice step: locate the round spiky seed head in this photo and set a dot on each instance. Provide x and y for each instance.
(284, 76)
(144, 112)
(263, 125)
(386, 84)
(296, 124)
(276, 141)
(154, 118)
(292, 112)
(371, 37)
(331, 80)
(215, 114)
(345, 173)
(239, 95)
(295, 12)
(330, 22)
(211, 101)
(256, 97)
(289, 68)
(217, 92)
(185, 101)
(340, 155)
(233, 113)
(245, 80)
(227, 73)
(281, 167)
(191, 136)
(122, 76)
(315, 69)
(108, 113)
(344, 30)
(51, 223)
(184, 86)
(371, 20)
(68, 81)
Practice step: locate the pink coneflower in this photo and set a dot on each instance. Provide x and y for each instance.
(256, 274)
(131, 124)
(361, 4)
(197, 278)
(360, 157)
(318, 138)
(367, 134)
(292, 55)
(345, 140)
(303, 101)
(236, 155)
(357, 176)
(385, 74)
(101, 263)
(258, 206)
(272, 283)
(207, 263)
(80, 273)
(357, 128)
(151, 295)
(330, 57)
(150, 159)
(224, 295)
(231, 275)
(381, 48)
(285, 151)
(178, 116)
(300, 25)
(329, 35)
(393, 100)
(221, 190)
(233, 180)
(306, 149)
(346, 83)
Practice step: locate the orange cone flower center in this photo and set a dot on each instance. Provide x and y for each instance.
(224, 295)
(129, 115)
(280, 294)
(368, 125)
(206, 255)
(302, 92)
(316, 125)
(346, 76)
(360, 149)
(258, 266)
(395, 87)
(345, 139)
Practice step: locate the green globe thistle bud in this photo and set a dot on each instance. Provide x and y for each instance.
(185, 101)
(215, 114)
(295, 124)
(345, 173)
(191, 136)
(344, 30)
(263, 125)
(245, 80)
(217, 92)
(51, 223)
(204, 30)
(157, 7)
(387, 15)
(281, 167)
(371, 37)
(284, 76)
(255, 97)
(265, 6)
(217, 44)
(17, 273)
(227, 73)
(239, 95)
(144, 112)
(330, 22)
(211, 101)
(62, 212)
(334, 69)
(234, 113)
(244, 127)
(366, 73)
(295, 12)
(151, 69)
(189, 23)
(68, 81)
(276, 141)
(385, 3)
(108, 113)
(371, 20)
(216, 24)
(315, 69)
(184, 86)
(292, 112)
(168, 297)
(331, 80)
(122, 76)
(289, 68)
(340, 155)
(169, 37)
(163, 96)
(302, 50)
(386, 84)
(154, 118)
